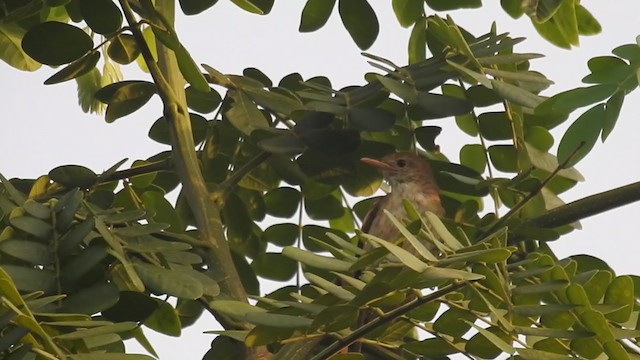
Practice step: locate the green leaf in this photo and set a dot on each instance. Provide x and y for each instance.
(278, 320)
(473, 156)
(194, 7)
(437, 106)
(96, 331)
(55, 43)
(565, 102)
(202, 102)
(27, 279)
(123, 49)
(418, 40)
(360, 21)
(11, 51)
(562, 29)
(315, 14)
(33, 226)
(403, 255)
(288, 144)
(110, 356)
(483, 344)
(367, 119)
(282, 202)
(125, 97)
(284, 234)
(170, 282)
(92, 300)
(34, 253)
(102, 16)
(611, 114)
(628, 51)
(74, 176)
(581, 136)
(446, 5)
(433, 348)
(234, 308)
(504, 157)
(587, 24)
(408, 11)
(160, 132)
(275, 266)
(543, 10)
(260, 7)
(325, 208)
(163, 210)
(75, 69)
(495, 126)
(315, 260)
(512, 7)
(620, 292)
(516, 94)
(274, 100)
(165, 320)
(541, 288)
(329, 286)
(243, 114)
(190, 70)
(332, 142)
(131, 306)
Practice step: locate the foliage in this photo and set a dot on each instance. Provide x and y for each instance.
(87, 259)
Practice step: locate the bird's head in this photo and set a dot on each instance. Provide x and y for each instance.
(402, 167)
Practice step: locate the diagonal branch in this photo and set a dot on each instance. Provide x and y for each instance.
(335, 347)
(586, 207)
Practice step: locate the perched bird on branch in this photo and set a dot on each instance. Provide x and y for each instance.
(411, 178)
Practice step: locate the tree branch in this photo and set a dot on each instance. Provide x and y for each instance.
(358, 333)
(586, 207)
(170, 84)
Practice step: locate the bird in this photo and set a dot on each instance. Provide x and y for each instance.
(411, 178)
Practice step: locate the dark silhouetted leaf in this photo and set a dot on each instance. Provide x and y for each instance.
(74, 176)
(261, 7)
(193, 7)
(282, 202)
(75, 69)
(55, 43)
(445, 5)
(160, 129)
(366, 119)
(360, 21)
(102, 16)
(274, 266)
(315, 14)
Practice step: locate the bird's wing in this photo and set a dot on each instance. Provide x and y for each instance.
(375, 210)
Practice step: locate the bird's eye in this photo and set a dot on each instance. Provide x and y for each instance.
(401, 163)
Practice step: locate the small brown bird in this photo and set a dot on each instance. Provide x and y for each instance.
(411, 178)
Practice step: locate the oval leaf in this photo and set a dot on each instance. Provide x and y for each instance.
(55, 43)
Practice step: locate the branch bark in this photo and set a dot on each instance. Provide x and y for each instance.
(170, 85)
(588, 206)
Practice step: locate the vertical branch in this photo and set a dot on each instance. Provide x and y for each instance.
(206, 213)
(170, 84)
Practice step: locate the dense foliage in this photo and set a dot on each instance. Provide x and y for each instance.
(88, 260)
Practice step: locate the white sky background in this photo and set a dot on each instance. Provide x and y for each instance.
(43, 127)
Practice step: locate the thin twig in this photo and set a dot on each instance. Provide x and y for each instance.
(383, 319)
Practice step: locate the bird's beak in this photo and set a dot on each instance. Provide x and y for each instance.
(377, 164)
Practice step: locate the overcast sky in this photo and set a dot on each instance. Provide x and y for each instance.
(43, 127)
